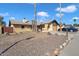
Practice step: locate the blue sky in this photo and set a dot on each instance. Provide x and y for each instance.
(45, 11)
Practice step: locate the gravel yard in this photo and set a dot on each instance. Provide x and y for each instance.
(30, 44)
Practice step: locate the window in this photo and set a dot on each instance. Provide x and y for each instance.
(22, 27)
(43, 26)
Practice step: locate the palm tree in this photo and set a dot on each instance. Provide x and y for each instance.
(74, 21)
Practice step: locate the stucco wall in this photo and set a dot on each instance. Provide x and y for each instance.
(50, 27)
(45, 29)
(18, 29)
(0, 29)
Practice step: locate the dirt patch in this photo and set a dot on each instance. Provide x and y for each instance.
(41, 44)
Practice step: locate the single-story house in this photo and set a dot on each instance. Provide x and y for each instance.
(20, 26)
(49, 26)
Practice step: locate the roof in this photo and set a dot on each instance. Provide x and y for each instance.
(30, 23)
(20, 22)
(53, 21)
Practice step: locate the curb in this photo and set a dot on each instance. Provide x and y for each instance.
(65, 44)
(57, 51)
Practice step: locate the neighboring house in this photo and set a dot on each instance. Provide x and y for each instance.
(20, 26)
(49, 26)
(68, 25)
(7, 30)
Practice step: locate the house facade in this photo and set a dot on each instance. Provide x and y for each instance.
(50, 26)
(20, 26)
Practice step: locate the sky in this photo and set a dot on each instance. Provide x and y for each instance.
(45, 12)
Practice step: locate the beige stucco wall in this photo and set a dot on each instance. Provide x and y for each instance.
(0, 29)
(18, 29)
(45, 29)
(51, 27)
(0, 26)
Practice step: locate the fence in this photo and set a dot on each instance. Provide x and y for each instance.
(7, 30)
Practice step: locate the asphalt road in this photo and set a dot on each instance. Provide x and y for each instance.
(72, 49)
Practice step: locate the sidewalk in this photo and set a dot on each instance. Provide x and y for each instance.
(72, 49)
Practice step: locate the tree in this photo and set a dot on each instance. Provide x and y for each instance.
(74, 21)
(1, 21)
(1, 18)
(64, 23)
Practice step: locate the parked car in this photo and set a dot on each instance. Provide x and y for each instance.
(70, 29)
(63, 29)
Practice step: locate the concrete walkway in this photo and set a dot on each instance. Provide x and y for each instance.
(72, 49)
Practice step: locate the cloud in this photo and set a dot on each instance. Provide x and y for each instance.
(12, 18)
(68, 9)
(77, 18)
(42, 13)
(58, 15)
(4, 14)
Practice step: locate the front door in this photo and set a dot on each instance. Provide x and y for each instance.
(54, 27)
(2, 30)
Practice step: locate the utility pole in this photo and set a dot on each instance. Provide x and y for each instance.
(35, 18)
(60, 19)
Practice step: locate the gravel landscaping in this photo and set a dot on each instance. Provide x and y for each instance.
(30, 44)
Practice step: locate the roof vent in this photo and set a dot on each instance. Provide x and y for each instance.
(25, 21)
